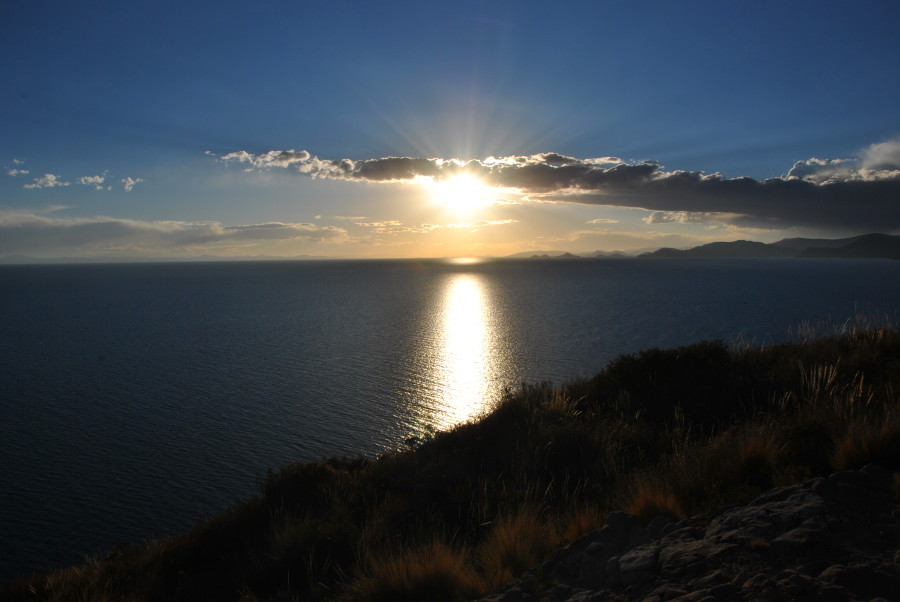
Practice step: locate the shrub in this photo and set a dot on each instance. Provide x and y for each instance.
(809, 447)
(756, 461)
(580, 520)
(650, 501)
(435, 573)
(515, 545)
(867, 443)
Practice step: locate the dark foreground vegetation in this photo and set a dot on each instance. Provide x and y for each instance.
(661, 432)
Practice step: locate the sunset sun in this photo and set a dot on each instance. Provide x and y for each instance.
(461, 195)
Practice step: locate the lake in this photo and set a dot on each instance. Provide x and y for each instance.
(135, 399)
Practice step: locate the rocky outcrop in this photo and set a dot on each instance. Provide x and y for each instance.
(833, 539)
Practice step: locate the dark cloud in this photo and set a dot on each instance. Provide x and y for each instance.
(394, 168)
(861, 193)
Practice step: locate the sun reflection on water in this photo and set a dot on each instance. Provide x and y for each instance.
(465, 360)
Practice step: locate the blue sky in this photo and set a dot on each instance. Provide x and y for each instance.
(152, 129)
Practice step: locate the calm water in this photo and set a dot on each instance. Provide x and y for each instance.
(136, 399)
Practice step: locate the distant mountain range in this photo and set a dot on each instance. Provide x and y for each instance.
(566, 255)
(871, 246)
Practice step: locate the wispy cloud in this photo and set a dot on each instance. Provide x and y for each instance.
(603, 220)
(685, 217)
(856, 193)
(479, 224)
(398, 227)
(17, 172)
(23, 232)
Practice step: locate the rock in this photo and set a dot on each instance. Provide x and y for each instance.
(811, 536)
(829, 540)
(613, 573)
(796, 585)
(865, 581)
(655, 528)
(758, 582)
(665, 592)
(639, 564)
(767, 516)
(689, 559)
(620, 523)
(716, 577)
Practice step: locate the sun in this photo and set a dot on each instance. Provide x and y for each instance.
(462, 195)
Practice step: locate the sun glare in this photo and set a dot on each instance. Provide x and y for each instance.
(462, 195)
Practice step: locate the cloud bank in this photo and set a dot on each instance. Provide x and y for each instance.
(861, 193)
(25, 232)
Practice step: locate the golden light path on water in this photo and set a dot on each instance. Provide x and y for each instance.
(469, 362)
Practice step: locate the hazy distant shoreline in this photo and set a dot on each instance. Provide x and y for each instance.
(866, 246)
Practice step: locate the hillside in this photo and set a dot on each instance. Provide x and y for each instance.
(676, 433)
(870, 246)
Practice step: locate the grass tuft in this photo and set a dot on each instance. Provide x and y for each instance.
(868, 443)
(514, 545)
(435, 573)
(650, 500)
(756, 461)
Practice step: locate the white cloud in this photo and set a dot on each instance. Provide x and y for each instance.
(678, 217)
(129, 182)
(48, 180)
(18, 161)
(819, 171)
(17, 172)
(879, 161)
(603, 220)
(884, 156)
(95, 181)
(275, 158)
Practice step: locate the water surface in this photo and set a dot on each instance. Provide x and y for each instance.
(137, 399)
